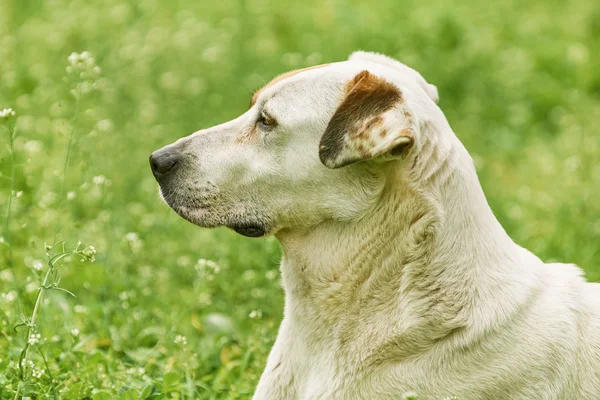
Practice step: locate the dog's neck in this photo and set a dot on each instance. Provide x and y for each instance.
(429, 257)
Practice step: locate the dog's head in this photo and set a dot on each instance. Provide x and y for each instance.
(313, 146)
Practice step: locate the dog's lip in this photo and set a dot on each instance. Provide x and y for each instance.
(180, 204)
(190, 215)
(250, 230)
(253, 230)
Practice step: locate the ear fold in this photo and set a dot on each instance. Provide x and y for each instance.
(372, 121)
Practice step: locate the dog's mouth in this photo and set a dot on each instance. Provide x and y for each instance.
(204, 215)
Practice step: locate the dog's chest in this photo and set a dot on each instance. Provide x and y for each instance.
(330, 377)
(326, 376)
(332, 371)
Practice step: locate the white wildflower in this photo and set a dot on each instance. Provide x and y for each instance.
(38, 265)
(6, 275)
(7, 113)
(32, 287)
(99, 180)
(134, 241)
(255, 314)
(71, 195)
(81, 309)
(34, 338)
(37, 373)
(207, 269)
(10, 296)
(89, 254)
(180, 340)
(131, 236)
(75, 332)
(73, 58)
(83, 70)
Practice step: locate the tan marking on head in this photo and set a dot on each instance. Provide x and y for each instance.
(247, 135)
(281, 77)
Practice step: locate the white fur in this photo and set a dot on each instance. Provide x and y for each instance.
(398, 278)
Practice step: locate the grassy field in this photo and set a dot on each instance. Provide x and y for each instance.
(191, 313)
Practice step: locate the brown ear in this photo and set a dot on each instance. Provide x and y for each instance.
(372, 120)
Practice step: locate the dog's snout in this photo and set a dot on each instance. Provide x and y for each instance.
(164, 161)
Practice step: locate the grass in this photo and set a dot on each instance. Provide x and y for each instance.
(191, 313)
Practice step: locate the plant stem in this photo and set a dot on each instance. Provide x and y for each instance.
(63, 185)
(11, 133)
(52, 386)
(30, 327)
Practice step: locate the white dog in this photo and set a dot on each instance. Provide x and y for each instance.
(398, 278)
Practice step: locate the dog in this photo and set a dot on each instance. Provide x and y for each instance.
(398, 278)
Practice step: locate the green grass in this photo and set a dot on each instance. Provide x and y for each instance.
(519, 83)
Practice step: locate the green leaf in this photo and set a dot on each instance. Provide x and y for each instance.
(142, 354)
(101, 396)
(148, 391)
(130, 394)
(20, 325)
(63, 290)
(171, 381)
(74, 391)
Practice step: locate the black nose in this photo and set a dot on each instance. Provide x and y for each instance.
(164, 161)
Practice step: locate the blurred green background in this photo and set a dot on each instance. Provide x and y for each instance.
(193, 312)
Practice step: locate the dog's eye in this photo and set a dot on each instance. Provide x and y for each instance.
(266, 121)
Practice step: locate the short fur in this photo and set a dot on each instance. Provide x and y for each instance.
(398, 278)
